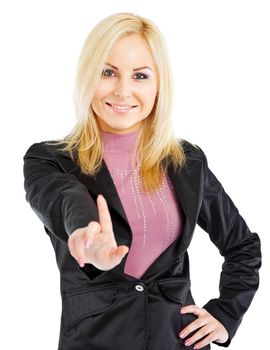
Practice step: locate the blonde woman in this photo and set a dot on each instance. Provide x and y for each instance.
(120, 197)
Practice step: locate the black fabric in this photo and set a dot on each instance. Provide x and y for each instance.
(112, 310)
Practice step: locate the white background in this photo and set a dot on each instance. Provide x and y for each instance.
(220, 57)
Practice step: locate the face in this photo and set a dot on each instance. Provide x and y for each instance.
(128, 86)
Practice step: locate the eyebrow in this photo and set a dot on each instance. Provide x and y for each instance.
(145, 67)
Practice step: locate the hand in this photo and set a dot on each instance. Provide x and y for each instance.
(95, 243)
(209, 327)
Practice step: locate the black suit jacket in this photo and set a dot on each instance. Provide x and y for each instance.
(112, 310)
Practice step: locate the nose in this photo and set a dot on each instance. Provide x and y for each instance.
(122, 88)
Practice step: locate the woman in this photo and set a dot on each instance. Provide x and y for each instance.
(120, 197)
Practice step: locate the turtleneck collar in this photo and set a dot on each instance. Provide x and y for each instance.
(119, 143)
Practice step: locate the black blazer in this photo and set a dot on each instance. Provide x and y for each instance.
(112, 310)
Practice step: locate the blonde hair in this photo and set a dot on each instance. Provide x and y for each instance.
(156, 140)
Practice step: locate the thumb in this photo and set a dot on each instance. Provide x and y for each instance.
(123, 249)
(119, 252)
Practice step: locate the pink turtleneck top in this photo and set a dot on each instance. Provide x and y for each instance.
(155, 219)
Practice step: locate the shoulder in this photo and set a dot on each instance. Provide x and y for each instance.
(46, 149)
(192, 150)
(194, 154)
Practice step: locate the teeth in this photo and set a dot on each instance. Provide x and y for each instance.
(121, 107)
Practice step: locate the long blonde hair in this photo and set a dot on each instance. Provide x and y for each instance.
(156, 141)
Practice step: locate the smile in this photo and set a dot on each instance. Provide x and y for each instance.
(120, 108)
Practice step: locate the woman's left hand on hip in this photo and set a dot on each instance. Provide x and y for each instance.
(207, 326)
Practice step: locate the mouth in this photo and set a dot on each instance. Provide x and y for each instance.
(120, 108)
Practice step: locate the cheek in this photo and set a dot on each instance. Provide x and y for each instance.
(94, 104)
(149, 95)
(103, 90)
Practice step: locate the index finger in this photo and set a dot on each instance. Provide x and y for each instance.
(194, 309)
(104, 215)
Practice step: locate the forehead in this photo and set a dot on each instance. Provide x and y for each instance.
(132, 51)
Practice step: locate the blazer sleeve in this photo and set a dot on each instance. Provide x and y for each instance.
(58, 198)
(240, 248)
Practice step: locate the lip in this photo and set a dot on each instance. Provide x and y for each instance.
(120, 104)
(120, 108)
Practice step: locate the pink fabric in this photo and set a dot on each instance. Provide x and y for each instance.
(156, 219)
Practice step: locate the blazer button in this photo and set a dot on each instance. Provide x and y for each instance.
(139, 288)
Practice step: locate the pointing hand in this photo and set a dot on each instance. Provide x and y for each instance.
(95, 244)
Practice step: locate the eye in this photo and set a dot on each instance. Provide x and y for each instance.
(144, 76)
(107, 72)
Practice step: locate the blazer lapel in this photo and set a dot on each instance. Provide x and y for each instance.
(103, 184)
(187, 183)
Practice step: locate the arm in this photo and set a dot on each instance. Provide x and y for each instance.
(240, 247)
(58, 198)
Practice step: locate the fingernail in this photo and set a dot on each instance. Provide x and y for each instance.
(188, 342)
(196, 347)
(87, 243)
(182, 334)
